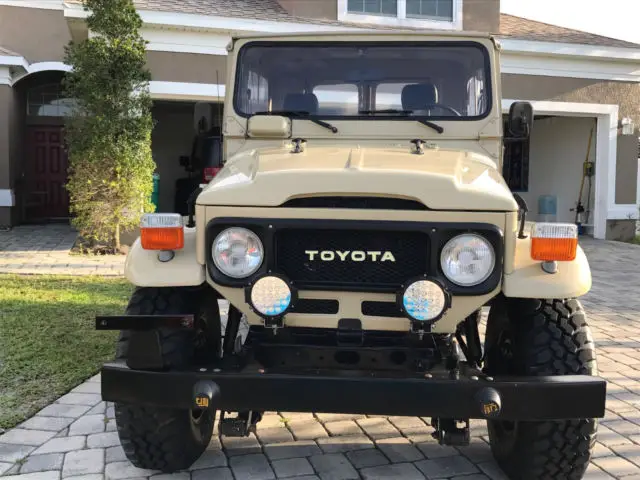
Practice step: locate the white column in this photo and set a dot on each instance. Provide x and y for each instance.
(5, 75)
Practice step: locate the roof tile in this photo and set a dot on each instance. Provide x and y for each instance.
(525, 29)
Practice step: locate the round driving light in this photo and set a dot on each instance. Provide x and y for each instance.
(237, 252)
(424, 300)
(270, 296)
(467, 260)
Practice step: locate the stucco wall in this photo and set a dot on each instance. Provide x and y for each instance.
(481, 15)
(39, 35)
(326, 9)
(187, 67)
(625, 95)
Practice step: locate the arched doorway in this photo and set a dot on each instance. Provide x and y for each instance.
(42, 175)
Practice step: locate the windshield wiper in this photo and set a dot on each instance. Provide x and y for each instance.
(405, 113)
(300, 114)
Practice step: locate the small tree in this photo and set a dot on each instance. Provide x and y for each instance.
(109, 133)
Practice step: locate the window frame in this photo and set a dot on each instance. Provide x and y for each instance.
(57, 91)
(444, 43)
(401, 19)
(377, 14)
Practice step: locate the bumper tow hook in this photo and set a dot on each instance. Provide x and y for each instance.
(205, 395)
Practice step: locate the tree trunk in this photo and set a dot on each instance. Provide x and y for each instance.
(117, 237)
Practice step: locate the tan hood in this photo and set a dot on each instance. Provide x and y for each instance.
(440, 179)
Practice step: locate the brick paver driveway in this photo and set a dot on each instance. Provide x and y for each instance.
(44, 249)
(75, 437)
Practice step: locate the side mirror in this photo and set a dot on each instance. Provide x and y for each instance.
(520, 120)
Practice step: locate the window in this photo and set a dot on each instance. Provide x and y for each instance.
(337, 99)
(255, 95)
(48, 101)
(444, 80)
(374, 7)
(436, 9)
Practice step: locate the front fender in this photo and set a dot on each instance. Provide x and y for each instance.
(143, 269)
(528, 280)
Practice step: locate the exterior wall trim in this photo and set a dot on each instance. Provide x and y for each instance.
(523, 57)
(5, 76)
(606, 153)
(41, 4)
(208, 43)
(42, 67)
(401, 20)
(187, 91)
(536, 47)
(7, 198)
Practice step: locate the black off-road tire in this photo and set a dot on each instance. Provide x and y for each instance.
(540, 338)
(159, 438)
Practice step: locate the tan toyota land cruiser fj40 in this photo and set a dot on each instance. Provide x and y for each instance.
(359, 225)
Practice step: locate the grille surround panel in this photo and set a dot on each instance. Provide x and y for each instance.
(438, 233)
(410, 250)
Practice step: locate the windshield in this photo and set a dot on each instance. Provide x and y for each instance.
(436, 80)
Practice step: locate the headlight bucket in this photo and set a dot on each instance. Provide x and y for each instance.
(468, 259)
(237, 252)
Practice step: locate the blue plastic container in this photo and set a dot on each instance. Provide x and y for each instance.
(547, 208)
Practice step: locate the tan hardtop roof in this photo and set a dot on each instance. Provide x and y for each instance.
(369, 33)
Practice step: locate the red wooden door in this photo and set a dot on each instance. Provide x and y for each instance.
(46, 174)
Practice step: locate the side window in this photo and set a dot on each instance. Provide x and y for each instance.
(256, 96)
(337, 99)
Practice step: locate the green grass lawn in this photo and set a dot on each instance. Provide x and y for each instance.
(48, 343)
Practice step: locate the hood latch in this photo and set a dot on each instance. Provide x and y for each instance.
(298, 145)
(418, 143)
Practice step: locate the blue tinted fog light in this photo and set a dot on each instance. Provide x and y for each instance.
(424, 300)
(270, 296)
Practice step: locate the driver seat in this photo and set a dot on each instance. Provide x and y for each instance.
(418, 96)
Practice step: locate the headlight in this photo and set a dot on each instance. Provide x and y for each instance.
(237, 252)
(467, 260)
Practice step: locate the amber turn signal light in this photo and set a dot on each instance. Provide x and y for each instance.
(162, 231)
(554, 242)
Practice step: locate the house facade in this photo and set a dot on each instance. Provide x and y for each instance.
(585, 90)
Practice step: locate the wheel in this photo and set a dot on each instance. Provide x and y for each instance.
(169, 439)
(536, 338)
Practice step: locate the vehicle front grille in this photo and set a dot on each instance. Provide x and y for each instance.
(316, 306)
(381, 309)
(409, 251)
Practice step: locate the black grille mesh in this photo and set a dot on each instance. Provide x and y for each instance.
(410, 250)
(381, 309)
(317, 306)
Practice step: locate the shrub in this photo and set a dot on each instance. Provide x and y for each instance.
(109, 133)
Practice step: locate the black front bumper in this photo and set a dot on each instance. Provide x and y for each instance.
(374, 393)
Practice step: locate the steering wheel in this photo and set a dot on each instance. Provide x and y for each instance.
(443, 107)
